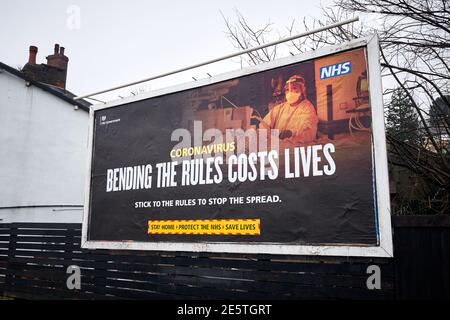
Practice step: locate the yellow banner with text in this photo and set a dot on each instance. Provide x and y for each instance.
(213, 227)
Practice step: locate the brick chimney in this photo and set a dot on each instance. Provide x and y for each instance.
(58, 59)
(53, 73)
(33, 53)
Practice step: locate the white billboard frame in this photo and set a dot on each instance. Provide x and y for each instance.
(385, 247)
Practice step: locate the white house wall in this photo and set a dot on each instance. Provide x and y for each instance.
(43, 147)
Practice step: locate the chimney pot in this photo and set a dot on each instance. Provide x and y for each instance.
(54, 72)
(32, 56)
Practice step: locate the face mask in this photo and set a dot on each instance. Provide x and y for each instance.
(292, 97)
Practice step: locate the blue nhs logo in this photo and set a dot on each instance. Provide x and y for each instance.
(335, 70)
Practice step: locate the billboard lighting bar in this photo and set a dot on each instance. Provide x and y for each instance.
(303, 34)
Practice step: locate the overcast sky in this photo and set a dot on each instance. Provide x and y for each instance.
(114, 42)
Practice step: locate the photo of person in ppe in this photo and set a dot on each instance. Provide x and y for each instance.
(296, 118)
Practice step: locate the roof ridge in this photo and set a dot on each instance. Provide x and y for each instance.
(63, 94)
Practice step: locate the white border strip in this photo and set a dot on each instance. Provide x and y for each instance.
(380, 156)
(379, 141)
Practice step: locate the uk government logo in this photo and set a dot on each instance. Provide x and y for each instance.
(103, 120)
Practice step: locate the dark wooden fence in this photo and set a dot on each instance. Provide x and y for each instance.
(34, 258)
(422, 257)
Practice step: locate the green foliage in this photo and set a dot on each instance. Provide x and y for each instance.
(439, 117)
(402, 121)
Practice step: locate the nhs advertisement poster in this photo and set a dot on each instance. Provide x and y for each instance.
(283, 156)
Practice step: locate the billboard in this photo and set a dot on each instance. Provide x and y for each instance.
(287, 157)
